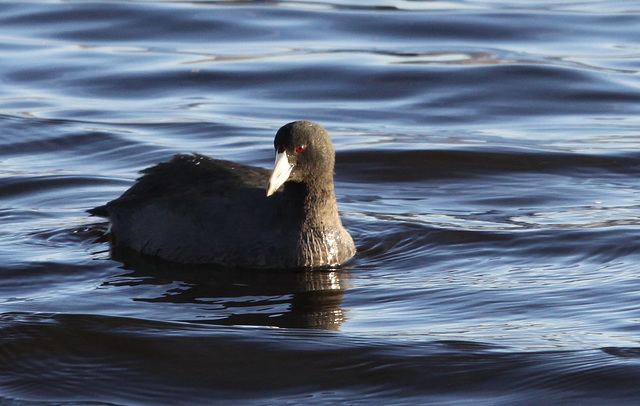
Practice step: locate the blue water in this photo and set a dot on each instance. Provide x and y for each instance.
(488, 156)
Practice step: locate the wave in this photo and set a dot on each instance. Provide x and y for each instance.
(400, 166)
(65, 357)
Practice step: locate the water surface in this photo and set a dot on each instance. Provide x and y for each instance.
(487, 166)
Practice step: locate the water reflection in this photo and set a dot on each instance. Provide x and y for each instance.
(280, 298)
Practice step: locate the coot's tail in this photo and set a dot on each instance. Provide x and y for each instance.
(100, 211)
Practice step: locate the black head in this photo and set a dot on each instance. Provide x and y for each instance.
(304, 154)
(308, 148)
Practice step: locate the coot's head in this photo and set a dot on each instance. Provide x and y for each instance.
(304, 153)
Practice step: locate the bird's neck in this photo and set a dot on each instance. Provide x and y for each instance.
(314, 202)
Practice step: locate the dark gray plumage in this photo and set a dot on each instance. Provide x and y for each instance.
(198, 210)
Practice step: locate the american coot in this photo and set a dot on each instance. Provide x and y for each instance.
(198, 210)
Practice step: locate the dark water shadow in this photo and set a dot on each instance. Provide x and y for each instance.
(277, 298)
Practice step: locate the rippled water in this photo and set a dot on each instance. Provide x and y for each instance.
(488, 156)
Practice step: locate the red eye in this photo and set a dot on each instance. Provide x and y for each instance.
(300, 148)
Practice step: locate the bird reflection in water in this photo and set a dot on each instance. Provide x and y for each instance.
(277, 298)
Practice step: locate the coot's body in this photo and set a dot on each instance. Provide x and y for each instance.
(198, 210)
